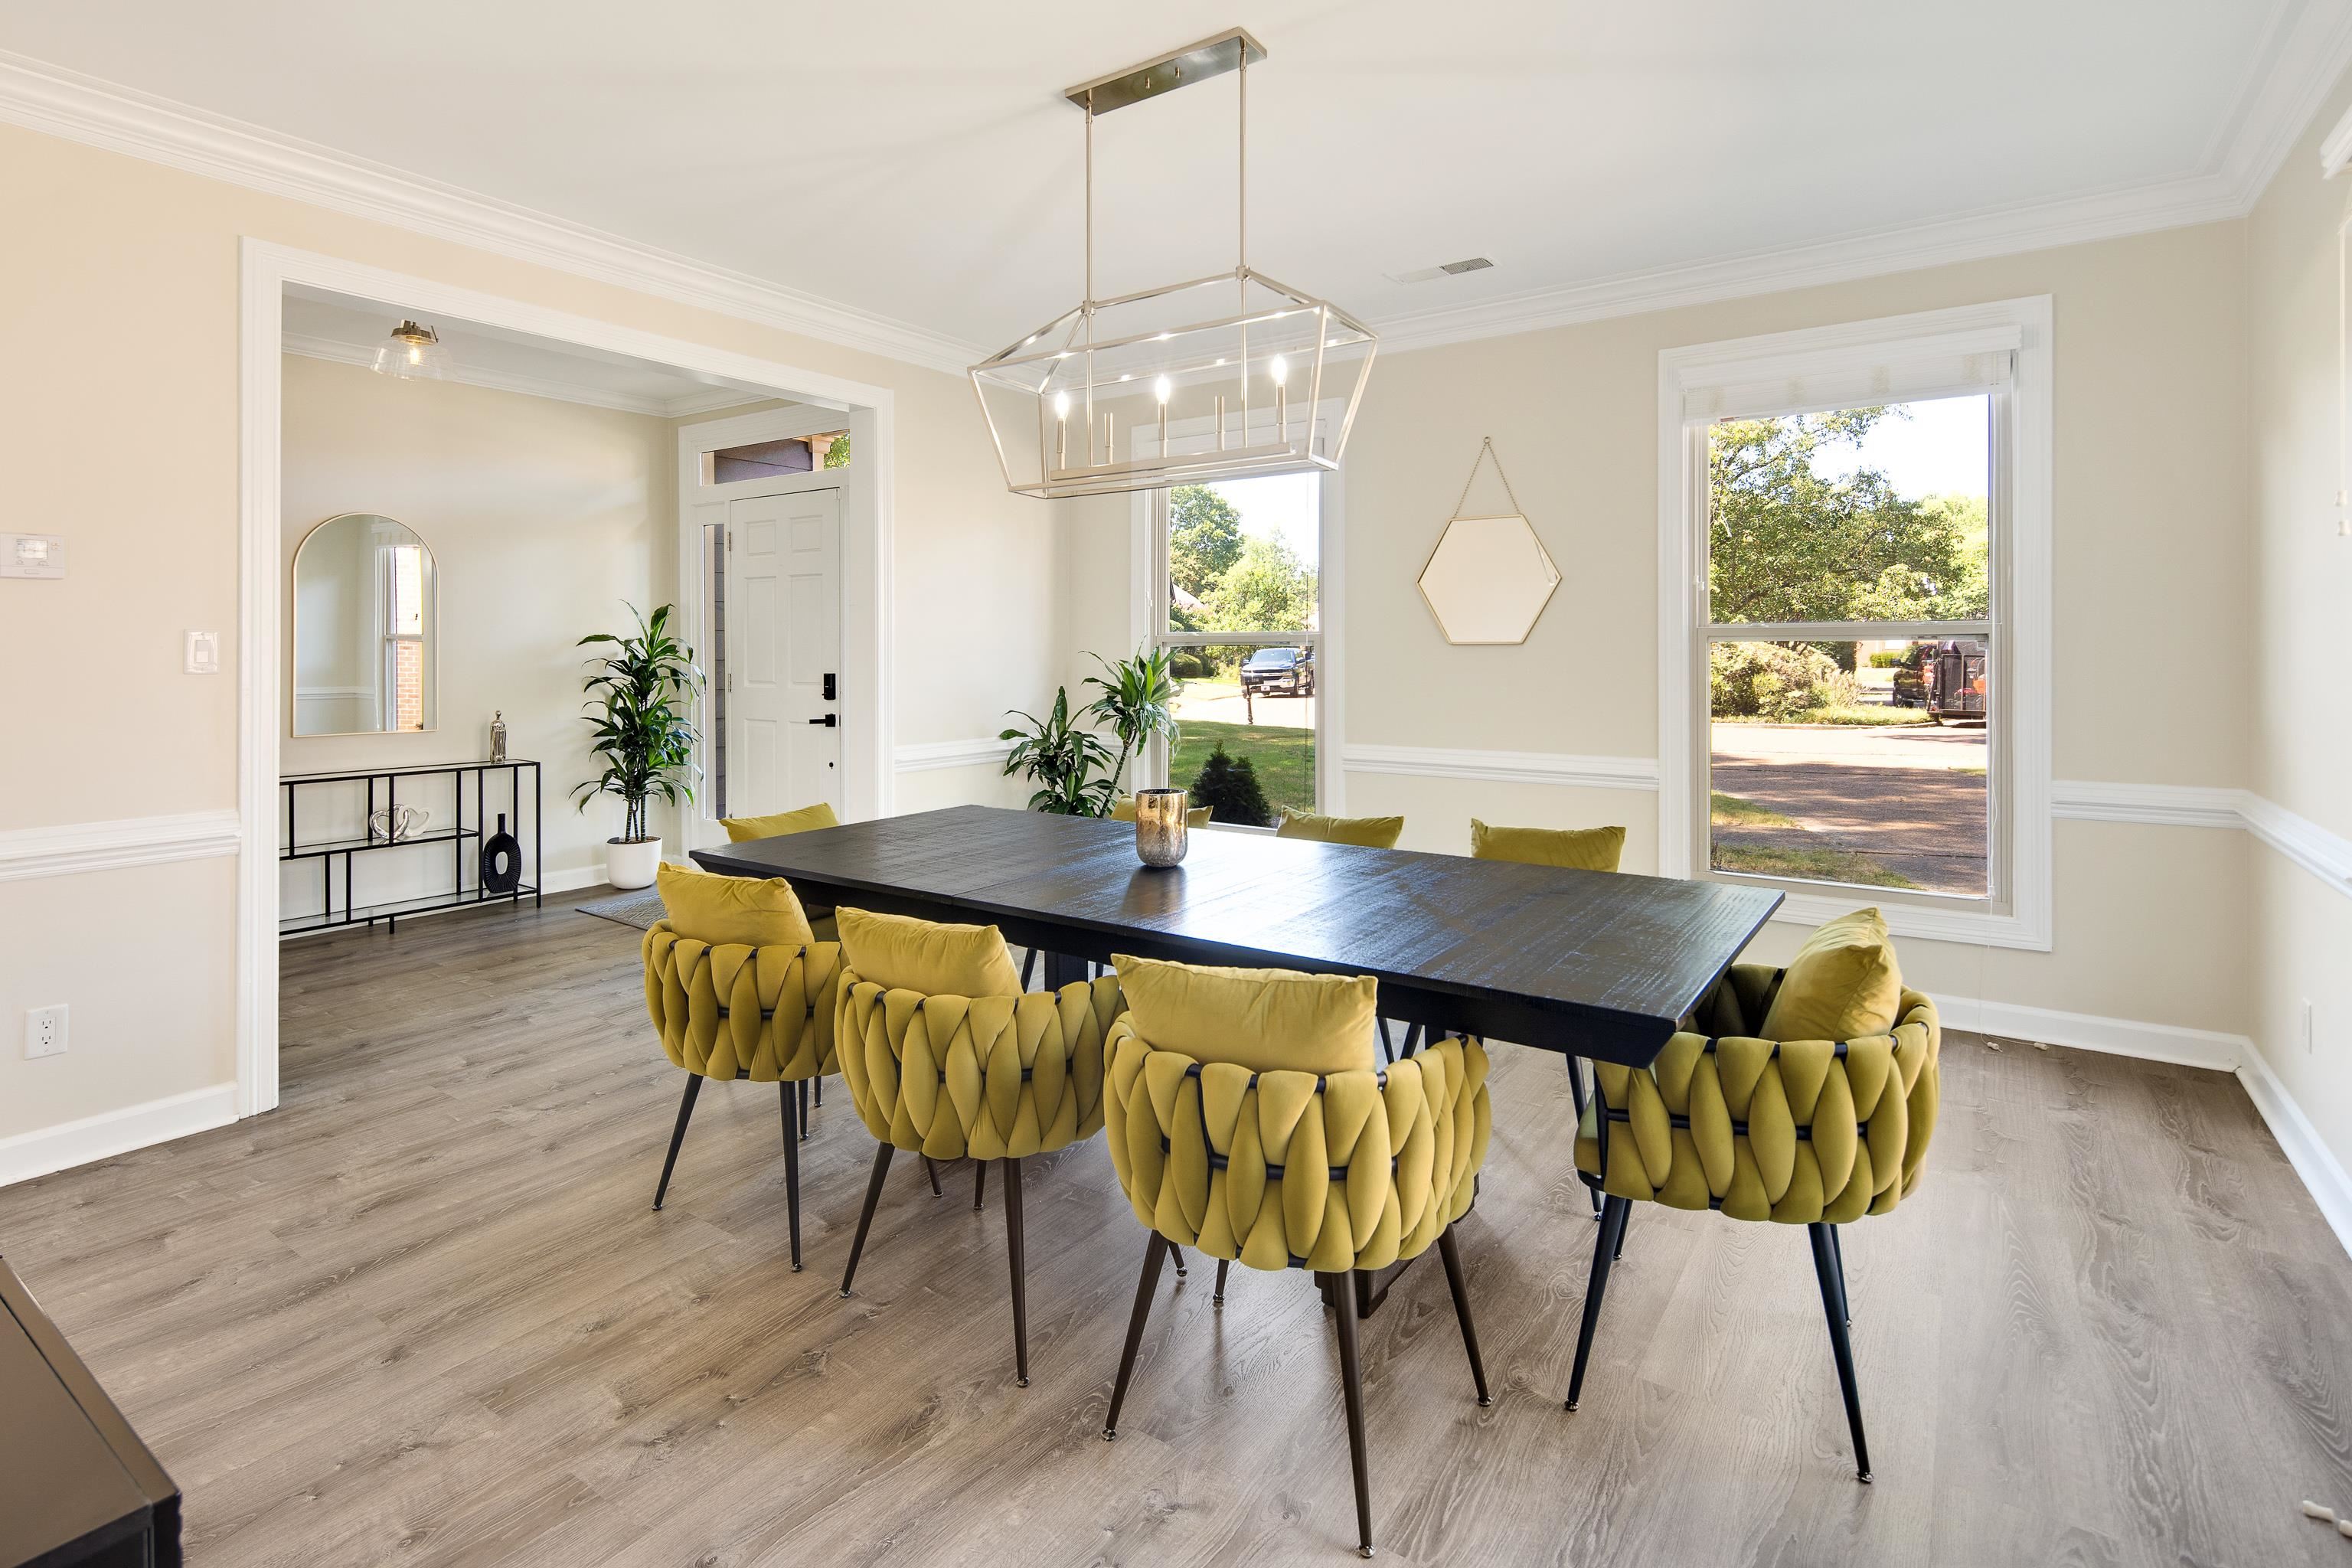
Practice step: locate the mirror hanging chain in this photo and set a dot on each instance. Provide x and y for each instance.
(1486, 454)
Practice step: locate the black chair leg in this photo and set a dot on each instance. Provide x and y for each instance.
(979, 1185)
(1624, 1223)
(1837, 1256)
(1604, 1253)
(1020, 1272)
(1452, 1254)
(789, 1097)
(1219, 1297)
(804, 1098)
(1028, 969)
(1145, 1286)
(816, 1091)
(1342, 1291)
(1176, 1255)
(882, 1152)
(1825, 1268)
(1576, 1094)
(678, 1135)
(931, 1169)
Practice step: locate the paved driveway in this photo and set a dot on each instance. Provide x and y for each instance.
(1912, 799)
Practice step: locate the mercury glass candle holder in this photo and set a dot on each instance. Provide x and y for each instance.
(1159, 826)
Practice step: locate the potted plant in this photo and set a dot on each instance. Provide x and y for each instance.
(639, 695)
(1138, 702)
(1062, 759)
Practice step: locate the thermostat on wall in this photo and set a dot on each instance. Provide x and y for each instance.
(32, 555)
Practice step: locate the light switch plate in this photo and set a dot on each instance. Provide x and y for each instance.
(32, 555)
(203, 653)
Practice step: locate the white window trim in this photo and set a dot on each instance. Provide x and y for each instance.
(2022, 326)
(1146, 589)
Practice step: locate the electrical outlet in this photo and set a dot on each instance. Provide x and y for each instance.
(2308, 1029)
(44, 1031)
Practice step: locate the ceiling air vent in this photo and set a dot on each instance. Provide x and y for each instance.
(1473, 264)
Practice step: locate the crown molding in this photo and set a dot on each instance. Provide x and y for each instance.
(59, 102)
(2299, 65)
(336, 351)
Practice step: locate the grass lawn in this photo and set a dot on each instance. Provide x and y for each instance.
(1283, 755)
(1776, 858)
(1878, 718)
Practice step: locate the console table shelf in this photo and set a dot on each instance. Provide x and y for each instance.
(460, 838)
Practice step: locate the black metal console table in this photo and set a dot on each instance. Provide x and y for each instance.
(384, 790)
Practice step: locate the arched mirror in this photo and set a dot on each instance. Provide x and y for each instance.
(364, 630)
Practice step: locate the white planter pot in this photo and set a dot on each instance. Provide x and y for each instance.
(630, 865)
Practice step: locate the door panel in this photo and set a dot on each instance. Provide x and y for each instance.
(785, 628)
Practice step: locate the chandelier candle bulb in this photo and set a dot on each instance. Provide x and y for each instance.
(1062, 430)
(1281, 374)
(1162, 389)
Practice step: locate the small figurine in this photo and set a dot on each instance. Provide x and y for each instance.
(498, 736)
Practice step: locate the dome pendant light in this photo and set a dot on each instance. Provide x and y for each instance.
(413, 353)
(1222, 355)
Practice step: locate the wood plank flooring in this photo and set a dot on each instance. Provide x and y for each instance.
(422, 1313)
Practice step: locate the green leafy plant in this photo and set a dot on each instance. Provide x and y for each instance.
(1062, 759)
(639, 695)
(1231, 784)
(1138, 702)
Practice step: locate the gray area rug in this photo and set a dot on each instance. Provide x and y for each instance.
(640, 909)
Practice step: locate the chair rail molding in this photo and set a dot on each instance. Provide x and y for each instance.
(55, 101)
(79, 846)
(2168, 806)
(925, 756)
(1504, 767)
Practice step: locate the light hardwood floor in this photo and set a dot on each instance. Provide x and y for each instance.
(422, 1313)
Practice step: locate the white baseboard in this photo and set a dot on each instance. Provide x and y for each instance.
(112, 1132)
(2321, 1172)
(2089, 1032)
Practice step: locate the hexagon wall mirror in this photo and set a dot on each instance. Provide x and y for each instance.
(1488, 580)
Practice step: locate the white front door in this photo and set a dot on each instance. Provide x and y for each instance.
(783, 652)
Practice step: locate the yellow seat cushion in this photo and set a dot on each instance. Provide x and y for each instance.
(1843, 983)
(899, 954)
(723, 911)
(1123, 810)
(742, 829)
(1268, 1020)
(1577, 848)
(1369, 832)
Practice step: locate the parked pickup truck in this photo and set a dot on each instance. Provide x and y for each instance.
(1279, 672)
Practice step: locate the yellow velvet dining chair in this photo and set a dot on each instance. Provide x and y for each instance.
(1365, 832)
(1249, 1117)
(739, 987)
(946, 1056)
(802, 819)
(1574, 849)
(1803, 1096)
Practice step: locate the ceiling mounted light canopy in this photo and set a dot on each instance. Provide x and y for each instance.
(413, 353)
(1240, 365)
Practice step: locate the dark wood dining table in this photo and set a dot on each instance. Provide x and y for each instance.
(1588, 963)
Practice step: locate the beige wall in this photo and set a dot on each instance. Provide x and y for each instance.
(119, 304)
(2301, 597)
(2150, 505)
(544, 518)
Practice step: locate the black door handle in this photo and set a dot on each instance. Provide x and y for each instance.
(829, 720)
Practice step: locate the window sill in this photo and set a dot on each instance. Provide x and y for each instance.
(1808, 904)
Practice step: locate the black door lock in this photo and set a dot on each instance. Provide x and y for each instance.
(829, 720)
(830, 695)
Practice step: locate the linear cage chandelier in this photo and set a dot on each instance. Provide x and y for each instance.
(1240, 363)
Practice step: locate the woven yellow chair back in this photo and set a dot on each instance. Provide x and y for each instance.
(1277, 1170)
(1798, 1131)
(990, 1076)
(734, 1011)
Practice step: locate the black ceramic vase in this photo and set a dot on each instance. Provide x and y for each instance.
(501, 861)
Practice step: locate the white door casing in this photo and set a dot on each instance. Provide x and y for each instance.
(783, 638)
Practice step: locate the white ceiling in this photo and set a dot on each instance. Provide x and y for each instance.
(915, 162)
(324, 325)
